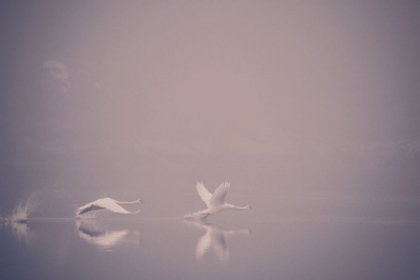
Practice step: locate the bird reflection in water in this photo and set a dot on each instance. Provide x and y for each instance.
(18, 220)
(214, 237)
(20, 229)
(106, 240)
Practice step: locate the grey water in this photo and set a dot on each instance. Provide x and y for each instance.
(314, 237)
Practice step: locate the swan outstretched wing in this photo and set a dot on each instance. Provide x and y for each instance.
(219, 194)
(114, 207)
(203, 193)
(103, 203)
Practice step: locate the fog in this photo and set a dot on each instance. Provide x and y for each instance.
(145, 98)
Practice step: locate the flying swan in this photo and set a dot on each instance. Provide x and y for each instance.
(215, 202)
(107, 204)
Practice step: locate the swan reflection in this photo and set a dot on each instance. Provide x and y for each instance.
(214, 237)
(106, 240)
(18, 220)
(19, 229)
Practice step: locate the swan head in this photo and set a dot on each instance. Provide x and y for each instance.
(248, 207)
(139, 201)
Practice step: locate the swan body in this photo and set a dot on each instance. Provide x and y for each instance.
(215, 202)
(107, 204)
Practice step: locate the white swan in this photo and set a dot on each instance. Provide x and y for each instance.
(108, 204)
(215, 202)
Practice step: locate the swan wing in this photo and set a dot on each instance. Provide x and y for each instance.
(91, 206)
(111, 205)
(219, 195)
(104, 203)
(114, 207)
(203, 193)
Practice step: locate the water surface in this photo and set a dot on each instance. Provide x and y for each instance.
(291, 247)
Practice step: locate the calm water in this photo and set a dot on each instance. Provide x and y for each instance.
(292, 247)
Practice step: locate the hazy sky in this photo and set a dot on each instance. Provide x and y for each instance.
(213, 81)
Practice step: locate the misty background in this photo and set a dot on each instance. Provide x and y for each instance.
(144, 98)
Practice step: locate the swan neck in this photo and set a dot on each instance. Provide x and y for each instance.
(231, 206)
